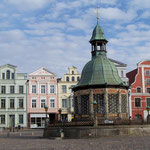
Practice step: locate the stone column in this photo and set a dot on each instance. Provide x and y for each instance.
(106, 103)
(119, 110)
(127, 109)
(91, 104)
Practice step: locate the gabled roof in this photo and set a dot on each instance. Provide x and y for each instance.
(42, 71)
(8, 65)
(131, 75)
(118, 63)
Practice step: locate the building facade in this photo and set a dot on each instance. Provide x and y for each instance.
(139, 80)
(65, 93)
(13, 97)
(121, 67)
(42, 91)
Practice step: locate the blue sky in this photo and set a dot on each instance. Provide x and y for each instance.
(55, 33)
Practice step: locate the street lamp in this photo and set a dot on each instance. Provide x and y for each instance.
(148, 109)
(59, 110)
(46, 109)
(95, 116)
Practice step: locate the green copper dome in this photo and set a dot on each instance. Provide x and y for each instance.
(98, 34)
(100, 71)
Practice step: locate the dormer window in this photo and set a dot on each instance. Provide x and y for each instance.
(8, 74)
(72, 72)
(13, 76)
(147, 73)
(122, 74)
(3, 75)
(138, 90)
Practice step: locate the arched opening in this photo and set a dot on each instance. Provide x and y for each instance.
(8, 74)
(67, 78)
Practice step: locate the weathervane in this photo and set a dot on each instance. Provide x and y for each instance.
(97, 14)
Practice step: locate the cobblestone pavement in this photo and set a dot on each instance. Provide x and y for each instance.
(32, 140)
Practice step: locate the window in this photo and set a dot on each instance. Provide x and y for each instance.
(3, 103)
(12, 89)
(20, 119)
(33, 88)
(78, 78)
(64, 89)
(72, 78)
(12, 103)
(20, 103)
(3, 75)
(42, 103)
(64, 103)
(52, 103)
(147, 81)
(13, 76)
(21, 89)
(148, 90)
(72, 72)
(43, 89)
(33, 103)
(137, 102)
(8, 74)
(67, 78)
(52, 88)
(3, 89)
(122, 74)
(33, 77)
(138, 90)
(72, 103)
(147, 73)
(2, 118)
(148, 102)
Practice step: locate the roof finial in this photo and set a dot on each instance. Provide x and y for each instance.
(97, 14)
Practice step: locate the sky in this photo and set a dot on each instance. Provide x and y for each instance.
(55, 34)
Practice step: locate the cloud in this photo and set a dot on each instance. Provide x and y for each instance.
(117, 14)
(24, 5)
(139, 4)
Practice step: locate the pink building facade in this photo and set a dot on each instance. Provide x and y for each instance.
(42, 91)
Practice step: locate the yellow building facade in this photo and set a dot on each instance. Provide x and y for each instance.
(65, 94)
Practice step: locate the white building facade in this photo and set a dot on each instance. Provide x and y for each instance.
(13, 97)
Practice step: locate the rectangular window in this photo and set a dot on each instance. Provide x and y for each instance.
(12, 103)
(12, 89)
(33, 103)
(147, 73)
(148, 102)
(52, 103)
(64, 89)
(21, 89)
(33, 88)
(3, 89)
(13, 76)
(43, 89)
(20, 103)
(148, 90)
(20, 119)
(64, 103)
(137, 102)
(3, 75)
(52, 88)
(138, 90)
(147, 81)
(2, 118)
(42, 103)
(3, 103)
